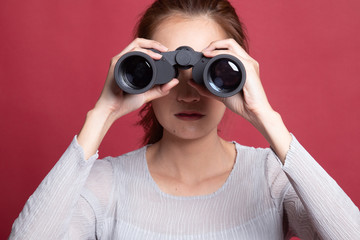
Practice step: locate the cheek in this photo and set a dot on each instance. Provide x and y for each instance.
(161, 109)
(163, 106)
(216, 110)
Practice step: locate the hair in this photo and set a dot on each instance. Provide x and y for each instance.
(221, 11)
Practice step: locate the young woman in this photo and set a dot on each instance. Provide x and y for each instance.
(187, 182)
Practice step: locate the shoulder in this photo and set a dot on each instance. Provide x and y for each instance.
(265, 163)
(105, 172)
(123, 168)
(104, 168)
(252, 155)
(262, 156)
(128, 160)
(253, 161)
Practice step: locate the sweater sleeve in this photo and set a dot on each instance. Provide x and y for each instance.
(315, 205)
(48, 213)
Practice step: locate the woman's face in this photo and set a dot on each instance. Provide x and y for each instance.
(184, 113)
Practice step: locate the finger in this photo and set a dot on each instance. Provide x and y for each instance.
(229, 44)
(152, 54)
(222, 44)
(160, 90)
(168, 86)
(216, 52)
(146, 43)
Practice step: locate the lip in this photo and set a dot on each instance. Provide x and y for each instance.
(189, 115)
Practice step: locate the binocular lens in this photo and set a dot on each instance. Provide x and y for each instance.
(225, 75)
(137, 72)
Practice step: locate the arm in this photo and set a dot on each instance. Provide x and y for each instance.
(316, 201)
(49, 209)
(313, 204)
(48, 214)
(332, 214)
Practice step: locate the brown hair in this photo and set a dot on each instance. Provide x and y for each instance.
(221, 11)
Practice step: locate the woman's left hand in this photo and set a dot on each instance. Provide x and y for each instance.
(251, 103)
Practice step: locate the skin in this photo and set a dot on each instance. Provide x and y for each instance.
(190, 159)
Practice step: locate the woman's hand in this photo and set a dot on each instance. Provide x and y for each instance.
(114, 103)
(251, 103)
(118, 103)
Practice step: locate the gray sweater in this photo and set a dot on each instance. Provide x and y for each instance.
(116, 198)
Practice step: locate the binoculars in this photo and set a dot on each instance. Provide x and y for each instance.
(223, 75)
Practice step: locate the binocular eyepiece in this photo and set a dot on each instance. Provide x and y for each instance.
(223, 75)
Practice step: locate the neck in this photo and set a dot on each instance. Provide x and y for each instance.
(195, 159)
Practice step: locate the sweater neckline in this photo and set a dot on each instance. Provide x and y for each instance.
(192, 197)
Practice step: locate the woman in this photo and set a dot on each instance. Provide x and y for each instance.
(187, 182)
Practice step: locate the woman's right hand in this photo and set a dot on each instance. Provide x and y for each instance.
(118, 103)
(113, 103)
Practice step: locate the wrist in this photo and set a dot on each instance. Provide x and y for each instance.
(97, 123)
(263, 116)
(102, 116)
(271, 126)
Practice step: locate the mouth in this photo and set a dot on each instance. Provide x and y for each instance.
(189, 116)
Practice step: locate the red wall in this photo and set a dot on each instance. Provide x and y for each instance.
(54, 57)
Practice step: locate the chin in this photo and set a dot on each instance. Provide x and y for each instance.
(193, 134)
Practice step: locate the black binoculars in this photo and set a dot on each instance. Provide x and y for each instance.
(223, 75)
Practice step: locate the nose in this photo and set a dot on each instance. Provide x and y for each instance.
(186, 93)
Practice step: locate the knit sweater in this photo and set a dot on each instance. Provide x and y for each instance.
(116, 198)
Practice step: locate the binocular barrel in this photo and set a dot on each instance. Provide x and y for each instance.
(223, 75)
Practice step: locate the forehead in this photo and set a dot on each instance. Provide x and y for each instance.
(197, 32)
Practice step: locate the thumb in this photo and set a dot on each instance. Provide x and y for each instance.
(160, 90)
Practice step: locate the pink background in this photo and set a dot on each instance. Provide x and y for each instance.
(54, 57)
